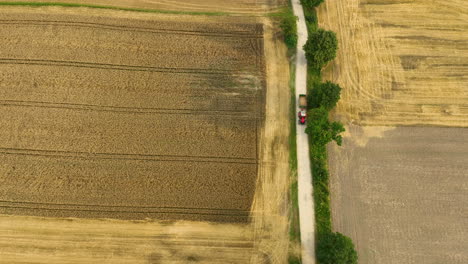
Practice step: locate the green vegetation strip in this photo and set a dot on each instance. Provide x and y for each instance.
(41, 4)
(294, 228)
(318, 153)
(322, 97)
(289, 27)
(288, 24)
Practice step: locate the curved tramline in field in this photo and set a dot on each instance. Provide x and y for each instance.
(400, 68)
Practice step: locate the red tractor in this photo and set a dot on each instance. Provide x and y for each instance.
(302, 114)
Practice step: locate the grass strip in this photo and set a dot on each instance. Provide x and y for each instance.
(294, 227)
(288, 25)
(145, 10)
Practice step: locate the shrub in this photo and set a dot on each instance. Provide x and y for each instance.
(321, 130)
(335, 248)
(324, 95)
(311, 3)
(294, 260)
(289, 27)
(321, 48)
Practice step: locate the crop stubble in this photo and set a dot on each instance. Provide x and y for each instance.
(400, 62)
(129, 118)
(399, 192)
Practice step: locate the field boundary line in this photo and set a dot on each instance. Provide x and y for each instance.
(144, 10)
(123, 109)
(234, 34)
(108, 66)
(129, 212)
(253, 12)
(126, 156)
(126, 206)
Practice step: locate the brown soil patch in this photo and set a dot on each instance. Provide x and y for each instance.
(238, 6)
(400, 62)
(402, 196)
(129, 118)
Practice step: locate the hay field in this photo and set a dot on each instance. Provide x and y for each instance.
(129, 119)
(251, 7)
(401, 193)
(401, 62)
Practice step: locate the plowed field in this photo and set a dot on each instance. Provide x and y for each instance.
(401, 193)
(400, 62)
(129, 117)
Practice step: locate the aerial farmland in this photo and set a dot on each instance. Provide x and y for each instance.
(168, 131)
(129, 126)
(398, 183)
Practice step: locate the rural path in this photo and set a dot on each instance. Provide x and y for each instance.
(306, 203)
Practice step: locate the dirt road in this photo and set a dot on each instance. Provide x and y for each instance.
(304, 175)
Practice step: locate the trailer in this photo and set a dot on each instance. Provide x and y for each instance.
(302, 114)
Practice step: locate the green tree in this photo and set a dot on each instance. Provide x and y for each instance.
(335, 248)
(320, 48)
(289, 27)
(321, 130)
(311, 3)
(324, 94)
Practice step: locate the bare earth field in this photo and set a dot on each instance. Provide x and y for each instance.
(402, 62)
(229, 6)
(113, 114)
(401, 193)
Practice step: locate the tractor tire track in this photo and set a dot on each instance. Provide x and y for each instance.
(137, 110)
(232, 34)
(132, 212)
(128, 206)
(128, 209)
(95, 65)
(125, 156)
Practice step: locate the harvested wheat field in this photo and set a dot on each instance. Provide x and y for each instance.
(251, 7)
(402, 62)
(398, 183)
(118, 126)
